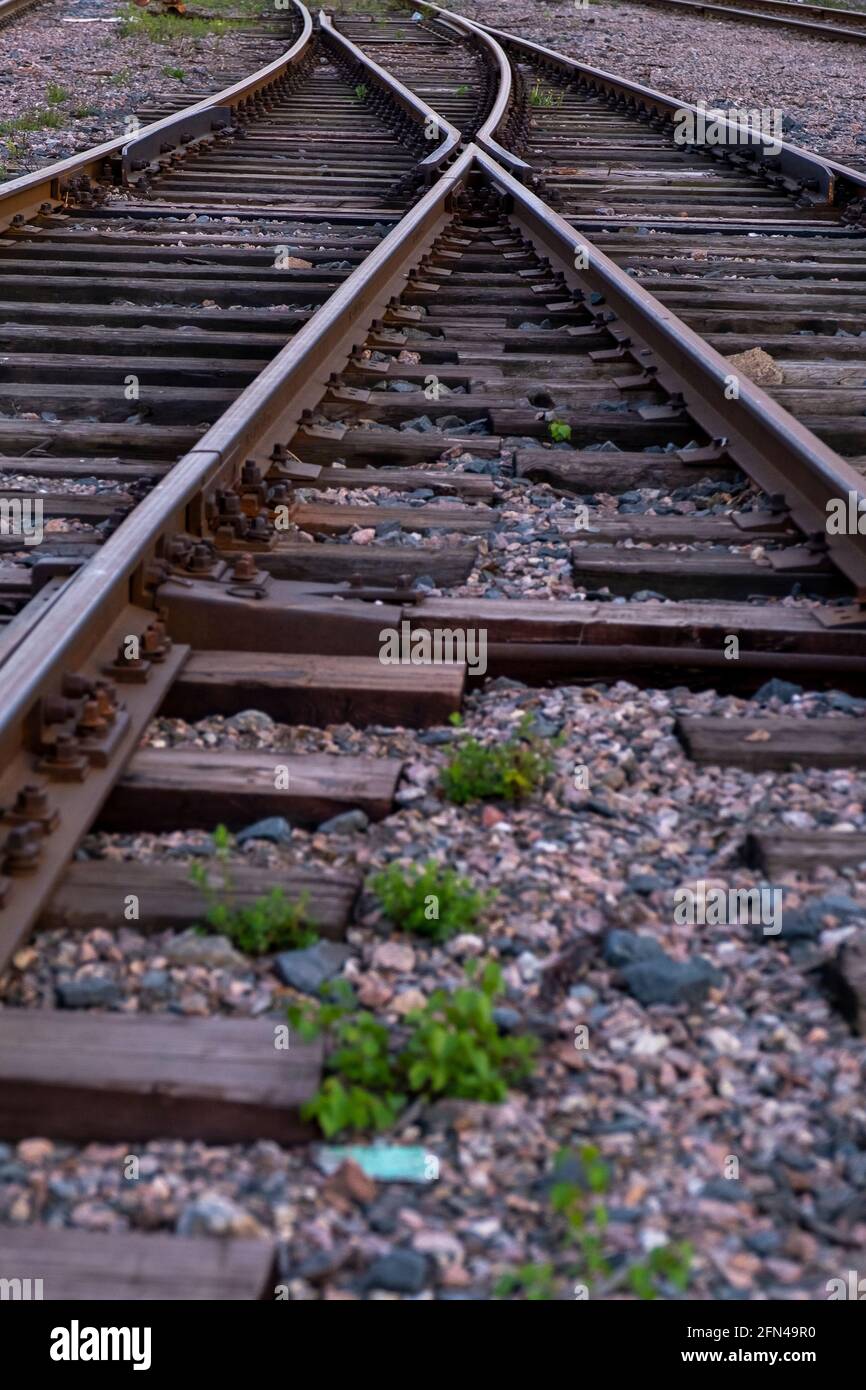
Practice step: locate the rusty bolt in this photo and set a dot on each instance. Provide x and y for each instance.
(153, 642)
(23, 849)
(244, 568)
(201, 559)
(229, 503)
(106, 694)
(64, 749)
(92, 723)
(32, 800)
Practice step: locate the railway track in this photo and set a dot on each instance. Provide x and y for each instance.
(11, 9)
(350, 449)
(812, 21)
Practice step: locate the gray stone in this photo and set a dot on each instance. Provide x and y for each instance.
(156, 983)
(837, 699)
(764, 1242)
(215, 952)
(623, 948)
(507, 1020)
(400, 1271)
(307, 970)
(645, 884)
(779, 690)
(88, 994)
(273, 828)
(211, 1214)
(250, 721)
(661, 980)
(345, 823)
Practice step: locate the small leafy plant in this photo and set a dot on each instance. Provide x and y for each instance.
(560, 432)
(271, 922)
(511, 770)
(453, 1048)
(428, 899)
(456, 1048)
(583, 1220)
(361, 91)
(55, 94)
(535, 1281)
(179, 73)
(462, 89)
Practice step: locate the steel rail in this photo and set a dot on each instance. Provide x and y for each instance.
(266, 413)
(775, 450)
(11, 9)
(827, 176)
(822, 22)
(44, 189)
(413, 105)
(486, 135)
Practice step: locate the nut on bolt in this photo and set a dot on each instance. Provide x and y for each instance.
(32, 804)
(244, 568)
(23, 849)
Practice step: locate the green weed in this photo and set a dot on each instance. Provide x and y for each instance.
(271, 922)
(511, 770)
(429, 900)
(453, 1048)
(582, 1220)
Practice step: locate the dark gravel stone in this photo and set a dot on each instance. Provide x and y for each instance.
(88, 994)
(623, 948)
(645, 884)
(382, 1215)
(779, 690)
(837, 699)
(422, 424)
(345, 823)
(273, 828)
(156, 983)
(307, 970)
(726, 1190)
(662, 980)
(792, 1158)
(855, 1169)
(764, 1242)
(400, 1271)
(507, 1020)
(807, 923)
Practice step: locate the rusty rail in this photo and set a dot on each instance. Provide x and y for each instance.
(774, 449)
(828, 178)
(11, 9)
(813, 21)
(267, 412)
(385, 82)
(45, 189)
(780, 454)
(486, 135)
